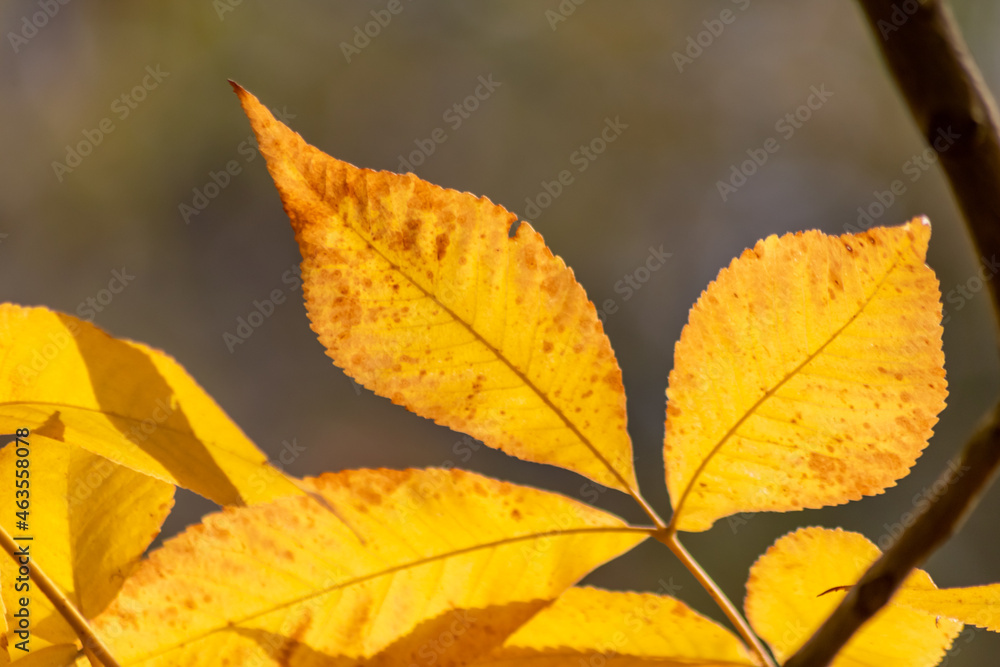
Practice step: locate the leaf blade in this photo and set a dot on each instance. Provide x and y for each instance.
(789, 597)
(972, 605)
(419, 294)
(810, 373)
(127, 402)
(623, 629)
(90, 521)
(402, 549)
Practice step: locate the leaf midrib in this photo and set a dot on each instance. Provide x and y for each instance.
(131, 420)
(392, 570)
(363, 177)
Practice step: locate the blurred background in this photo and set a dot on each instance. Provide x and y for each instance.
(127, 152)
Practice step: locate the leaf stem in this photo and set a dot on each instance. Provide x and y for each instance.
(60, 602)
(648, 509)
(729, 609)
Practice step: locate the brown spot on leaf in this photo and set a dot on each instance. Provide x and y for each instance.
(441, 243)
(369, 496)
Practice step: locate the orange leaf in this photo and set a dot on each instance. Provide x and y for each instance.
(418, 293)
(810, 373)
(789, 597)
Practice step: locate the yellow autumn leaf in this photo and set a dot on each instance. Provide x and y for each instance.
(810, 373)
(973, 605)
(404, 559)
(419, 294)
(4, 639)
(589, 626)
(87, 525)
(789, 597)
(128, 403)
(44, 654)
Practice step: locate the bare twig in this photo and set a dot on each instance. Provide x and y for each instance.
(946, 95)
(61, 603)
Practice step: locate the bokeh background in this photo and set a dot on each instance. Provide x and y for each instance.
(691, 94)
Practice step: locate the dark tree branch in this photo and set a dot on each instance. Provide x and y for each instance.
(958, 118)
(977, 465)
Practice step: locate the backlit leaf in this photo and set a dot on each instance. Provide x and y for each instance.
(786, 603)
(128, 403)
(419, 294)
(408, 562)
(44, 654)
(589, 626)
(89, 520)
(810, 373)
(974, 605)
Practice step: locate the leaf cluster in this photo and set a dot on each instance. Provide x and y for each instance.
(810, 374)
